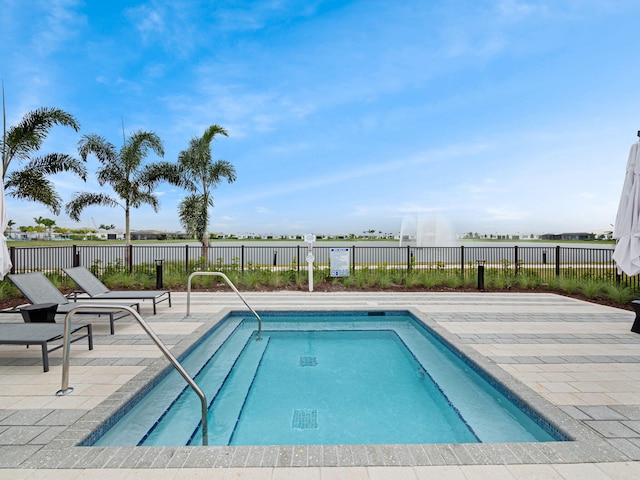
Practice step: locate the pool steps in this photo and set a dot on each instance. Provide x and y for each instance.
(145, 415)
(212, 375)
(232, 395)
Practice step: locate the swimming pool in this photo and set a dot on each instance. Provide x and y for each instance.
(327, 378)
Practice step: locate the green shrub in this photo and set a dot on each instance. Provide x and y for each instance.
(591, 289)
(619, 294)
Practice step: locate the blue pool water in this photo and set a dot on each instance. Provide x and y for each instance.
(325, 378)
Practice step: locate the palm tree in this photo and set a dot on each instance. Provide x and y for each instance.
(49, 225)
(200, 175)
(21, 142)
(132, 180)
(10, 225)
(39, 228)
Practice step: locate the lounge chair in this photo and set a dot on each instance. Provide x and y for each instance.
(97, 290)
(42, 334)
(38, 289)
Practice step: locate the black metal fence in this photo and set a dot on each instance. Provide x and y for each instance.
(543, 261)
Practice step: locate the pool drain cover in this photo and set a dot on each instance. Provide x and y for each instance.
(308, 361)
(304, 419)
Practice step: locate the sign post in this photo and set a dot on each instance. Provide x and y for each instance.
(310, 238)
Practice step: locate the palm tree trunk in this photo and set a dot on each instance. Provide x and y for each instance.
(127, 226)
(127, 236)
(205, 244)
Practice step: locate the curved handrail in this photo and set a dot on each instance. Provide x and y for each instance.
(65, 389)
(233, 287)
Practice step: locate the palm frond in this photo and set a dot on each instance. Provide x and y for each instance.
(53, 163)
(137, 147)
(27, 136)
(85, 199)
(138, 198)
(112, 173)
(33, 186)
(98, 146)
(211, 132)
(220, 169)
(157, 172)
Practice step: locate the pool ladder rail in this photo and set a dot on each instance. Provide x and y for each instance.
(66, 342)
(233, 287)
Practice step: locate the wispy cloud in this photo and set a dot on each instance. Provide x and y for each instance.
(168, 24)
(341, 175)
(505, 214)
(61, 23)
(518, 10)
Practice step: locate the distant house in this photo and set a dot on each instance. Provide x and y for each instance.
(566, 236)
(148, 235)
(157, 235)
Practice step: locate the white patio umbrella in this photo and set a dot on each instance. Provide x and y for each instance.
(5, 261)
(626, 230)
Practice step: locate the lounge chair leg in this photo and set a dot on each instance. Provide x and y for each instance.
(636, 325)
(45, 357)
(90, 335)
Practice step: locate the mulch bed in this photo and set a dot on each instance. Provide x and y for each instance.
(336, 287)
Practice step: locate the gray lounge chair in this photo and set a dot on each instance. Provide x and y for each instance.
(38, 289)
(97, 290)
(42, 334)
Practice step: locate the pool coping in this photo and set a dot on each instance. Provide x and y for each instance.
(63, 451)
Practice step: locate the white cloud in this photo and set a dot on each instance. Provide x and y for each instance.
(61, 24)
(505, 214)
(517, 10)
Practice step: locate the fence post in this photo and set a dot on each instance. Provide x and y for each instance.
(353, 259)
(298, 257)
(12, 256)
(76, 256)
(516, 259)
(558, 261)
(408, 258)
(480, 274)
(158, 273)
(130, 258)
(242, 258)
(462, 260)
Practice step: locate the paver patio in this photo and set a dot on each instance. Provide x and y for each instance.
(579, 358)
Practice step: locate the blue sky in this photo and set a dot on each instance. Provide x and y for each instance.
(495, 116)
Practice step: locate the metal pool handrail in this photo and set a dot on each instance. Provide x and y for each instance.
(233, 287)
(65, 388)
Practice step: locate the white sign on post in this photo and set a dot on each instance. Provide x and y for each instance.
(310, 238)
(339, 262)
